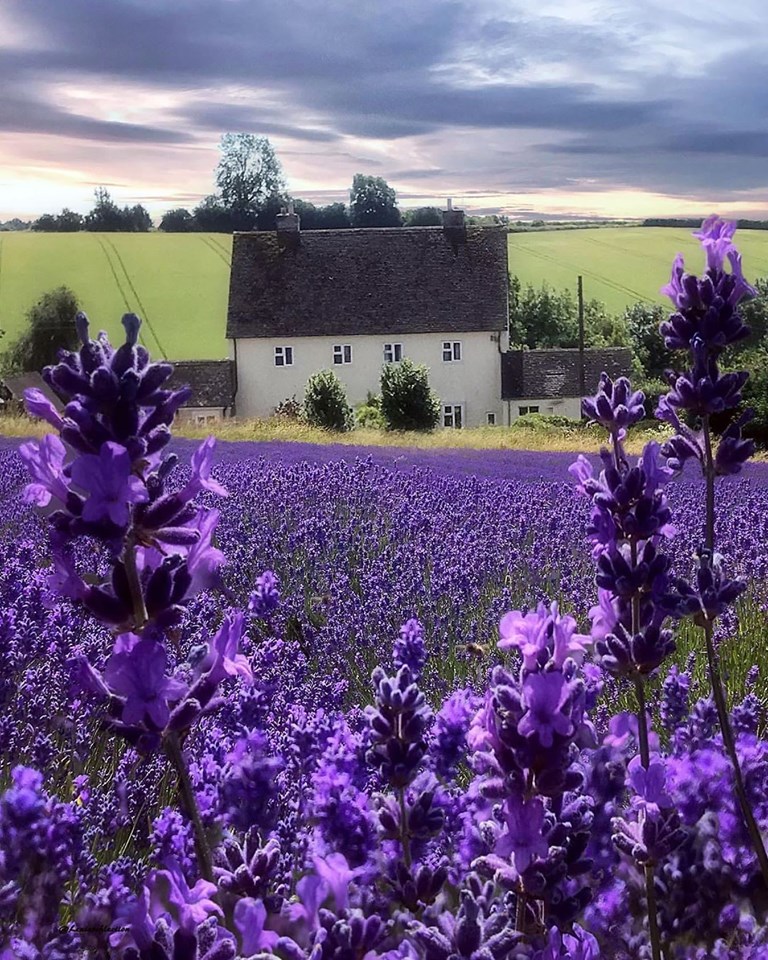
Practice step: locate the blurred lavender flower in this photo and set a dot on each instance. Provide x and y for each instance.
(266, 597)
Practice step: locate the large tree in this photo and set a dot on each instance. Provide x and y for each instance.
(248, 176)
(50, 327)
(106, 216)
(373, 203)
(423, 217)
(178, 220)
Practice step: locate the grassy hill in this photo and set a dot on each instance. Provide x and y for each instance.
(620, 265)
(178, 283)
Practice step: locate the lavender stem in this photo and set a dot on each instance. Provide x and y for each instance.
(189, 803)
(716, 682)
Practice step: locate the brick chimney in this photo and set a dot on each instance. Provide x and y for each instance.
(288, 226)
(454, 227)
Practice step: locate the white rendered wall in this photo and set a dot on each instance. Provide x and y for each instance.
(474, 381)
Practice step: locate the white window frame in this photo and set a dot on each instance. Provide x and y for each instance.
(284, 356)
(524, 411)
(342, 354)
(490, 418)
(449, 414)
(393, 352)
(452, 351)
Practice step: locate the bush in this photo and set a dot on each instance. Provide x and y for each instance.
(369, 414)
(755, 396)
(546, 423)
(407, 403)
(325, 402)
(289, 409)
(49, 327)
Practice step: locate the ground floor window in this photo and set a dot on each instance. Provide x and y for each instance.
(490, 418)
(522, 411)
(283, 356)
(453, 415)
(203, 419)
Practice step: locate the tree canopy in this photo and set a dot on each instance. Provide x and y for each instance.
(248, 175)
(373, 203)
(50, 327)
(423, 217)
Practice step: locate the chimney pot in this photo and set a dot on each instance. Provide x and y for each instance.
(288, 224)
(453, 219)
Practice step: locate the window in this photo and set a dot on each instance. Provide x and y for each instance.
(393, 352)
(342, 353)
(453, 415)
(522, 411)
(203, 419)
(451, 351)
(490, 419)
(283, 356)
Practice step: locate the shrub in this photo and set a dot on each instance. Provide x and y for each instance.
(545, 423)
(50, 327)
(325, 402)
(289, 409)
(369, 414)
(407, 403)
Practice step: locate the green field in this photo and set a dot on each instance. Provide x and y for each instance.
(620, 265)
(178, 282)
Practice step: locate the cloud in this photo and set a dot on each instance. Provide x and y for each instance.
(29, 114)
(485, 96)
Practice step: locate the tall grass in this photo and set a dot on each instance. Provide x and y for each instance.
(528, 435)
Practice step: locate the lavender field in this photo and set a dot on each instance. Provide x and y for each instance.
(325, 703)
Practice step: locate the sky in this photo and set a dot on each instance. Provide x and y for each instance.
(555, 108)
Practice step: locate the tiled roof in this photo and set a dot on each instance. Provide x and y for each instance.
(368, 281)
(544, 374)
(16, 383)
(212, 381)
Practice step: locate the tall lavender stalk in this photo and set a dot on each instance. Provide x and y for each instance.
(705, 323)
(630, 518)
(109, 484)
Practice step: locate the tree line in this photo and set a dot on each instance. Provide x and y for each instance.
(695, 223)
(546, 318)
(106, 217)
(250, 192)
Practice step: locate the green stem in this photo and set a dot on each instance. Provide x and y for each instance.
(718, 691)
(650, 884)
(645, 759)
(171, 740)
(405, 840)
(521, 904)
(189, 803)
(140, 615)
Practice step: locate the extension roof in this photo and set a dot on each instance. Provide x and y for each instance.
(16, 383)
(212, 381)
(552, 374)
(385, 281)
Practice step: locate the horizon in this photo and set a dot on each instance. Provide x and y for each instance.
(588, 110)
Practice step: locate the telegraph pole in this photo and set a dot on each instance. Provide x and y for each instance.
(582, 376)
